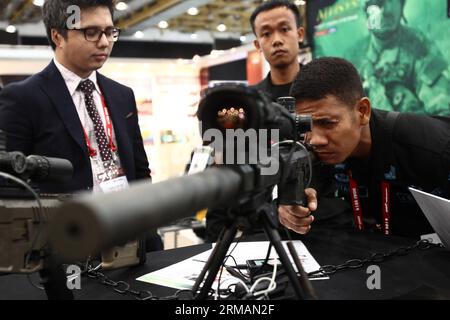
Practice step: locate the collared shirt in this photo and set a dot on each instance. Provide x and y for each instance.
(72, 81)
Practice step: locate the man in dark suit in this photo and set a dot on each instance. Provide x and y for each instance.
(70, 111)
(40, 115)
(40, 118)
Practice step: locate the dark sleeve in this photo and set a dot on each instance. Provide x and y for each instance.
(322, 180)
(446, 152)
(446, 163)
(423, 152)
(140, 157)
(15, 120)
(329, 205)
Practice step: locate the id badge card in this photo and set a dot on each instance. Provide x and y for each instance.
(116, 184)
(112, 177)
(201, 158)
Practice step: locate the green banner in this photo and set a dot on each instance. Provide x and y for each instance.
(401, 49)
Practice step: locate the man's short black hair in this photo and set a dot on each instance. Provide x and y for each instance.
(273, 4)
(328, 76)
(55, 14)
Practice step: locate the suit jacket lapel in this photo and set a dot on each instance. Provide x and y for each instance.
(56, 89)
(113, 101)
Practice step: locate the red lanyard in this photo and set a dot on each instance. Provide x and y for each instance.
(356, 203)
(109, 132)
(357, 209)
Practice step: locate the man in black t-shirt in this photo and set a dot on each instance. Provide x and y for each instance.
(278, 31)
(276, 25)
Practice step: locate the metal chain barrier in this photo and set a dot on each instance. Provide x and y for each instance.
(121, 287)
(124, 288)
(375, 258)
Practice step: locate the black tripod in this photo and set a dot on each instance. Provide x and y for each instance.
(55, 280)
(265, 216)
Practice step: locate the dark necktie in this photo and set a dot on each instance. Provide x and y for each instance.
(88, 87)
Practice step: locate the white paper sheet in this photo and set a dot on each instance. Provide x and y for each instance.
(182, 275)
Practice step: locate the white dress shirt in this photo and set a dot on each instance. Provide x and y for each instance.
(72, 81)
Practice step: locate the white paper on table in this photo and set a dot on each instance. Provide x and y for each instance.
(183, 275)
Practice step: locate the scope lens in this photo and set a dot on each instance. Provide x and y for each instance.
(18, 162)
(232, 118)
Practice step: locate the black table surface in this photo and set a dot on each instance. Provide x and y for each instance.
(420, 274)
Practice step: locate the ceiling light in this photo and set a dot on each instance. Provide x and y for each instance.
(139, 34)
(163, 24)
(243, 38)
(11, 28)
(193, 11)
(121, 6)
(38, 3)
(299, 2)
(194, 36)
(221, 27)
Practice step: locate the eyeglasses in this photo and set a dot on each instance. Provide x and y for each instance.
(94, 34)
